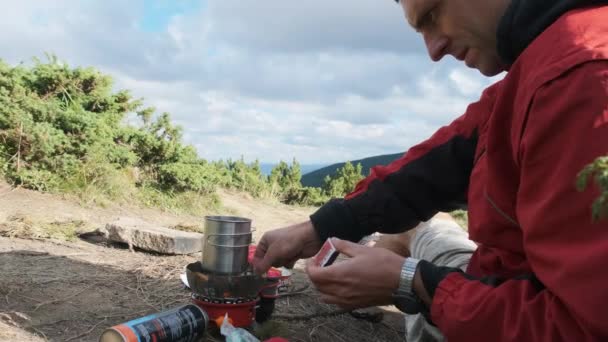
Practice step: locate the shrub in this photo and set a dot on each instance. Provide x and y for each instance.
(598, 172)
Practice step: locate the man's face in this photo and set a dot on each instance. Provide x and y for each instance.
(465, 29)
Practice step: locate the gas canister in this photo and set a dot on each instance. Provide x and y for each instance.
(185, 324)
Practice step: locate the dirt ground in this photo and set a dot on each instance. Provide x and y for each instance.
(71, 291)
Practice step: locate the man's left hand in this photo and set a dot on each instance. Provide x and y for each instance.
(368, 278)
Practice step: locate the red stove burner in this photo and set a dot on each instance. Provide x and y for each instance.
(241, 311)
(245, 297)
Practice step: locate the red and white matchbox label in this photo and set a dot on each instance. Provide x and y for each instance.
(326, 255)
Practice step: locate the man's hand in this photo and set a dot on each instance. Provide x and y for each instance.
(368, 278)
(285, 246)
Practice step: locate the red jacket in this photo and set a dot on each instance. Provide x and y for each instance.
(513, 157)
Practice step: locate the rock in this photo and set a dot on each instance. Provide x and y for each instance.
(150, 237)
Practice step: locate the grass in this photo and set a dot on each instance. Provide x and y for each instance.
(113, 187)
(189, 227)
(24, 227)
(461, 217)
(188, 202)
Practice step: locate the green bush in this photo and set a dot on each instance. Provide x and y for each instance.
(284, 182)
(41, 180)
(292, 192)
(187, 177)
(308, 196)
(64, 129)
(246, 177)
(598, 172)
(345, 180)
(462, 217)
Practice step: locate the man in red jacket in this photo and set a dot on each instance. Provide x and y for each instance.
(534, 270)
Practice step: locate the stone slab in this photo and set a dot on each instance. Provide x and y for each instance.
(151, 237)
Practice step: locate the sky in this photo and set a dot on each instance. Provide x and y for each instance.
(320, 81)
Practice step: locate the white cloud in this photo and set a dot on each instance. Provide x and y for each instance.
(466, 83)
(316, 80)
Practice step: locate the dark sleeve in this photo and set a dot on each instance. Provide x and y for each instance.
(432, 176)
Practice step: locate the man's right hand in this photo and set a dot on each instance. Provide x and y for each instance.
(285, 246)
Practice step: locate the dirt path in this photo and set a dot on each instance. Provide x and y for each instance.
(71, 291)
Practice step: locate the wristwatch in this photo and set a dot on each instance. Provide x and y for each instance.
(405, 299)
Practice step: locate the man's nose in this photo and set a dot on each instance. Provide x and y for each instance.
(436, 45)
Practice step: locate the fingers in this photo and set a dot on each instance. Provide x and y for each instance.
(334, 276)
(317, 274)
(259, 265)
(266, 255)
(334, 287)
(263, 264)
(261, 248)
(326, 283)
(269, 254)
(312, 269)
(348, 248)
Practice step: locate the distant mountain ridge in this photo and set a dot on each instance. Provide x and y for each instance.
(315, 178)
(266, 168)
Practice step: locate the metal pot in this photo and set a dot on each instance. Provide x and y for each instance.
(226, 244)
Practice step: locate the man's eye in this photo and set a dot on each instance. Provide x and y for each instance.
(429, 18)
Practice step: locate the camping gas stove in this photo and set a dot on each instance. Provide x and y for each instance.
(223, 282)
(244, 297)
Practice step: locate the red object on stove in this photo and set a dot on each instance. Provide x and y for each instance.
(242, 314)
(251, 253)
(272, 272)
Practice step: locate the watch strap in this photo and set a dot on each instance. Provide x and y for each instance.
(406, 279)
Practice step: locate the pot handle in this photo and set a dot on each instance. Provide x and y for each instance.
(229, 246)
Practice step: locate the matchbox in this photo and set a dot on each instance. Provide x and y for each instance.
(326, 255)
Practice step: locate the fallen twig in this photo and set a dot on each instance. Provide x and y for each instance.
(50, 323)
(39, 332)
(171, 303)
(370, 317)
(38, 306)
(288, 317)
(6, 296)
(312, 331)
(62, 256)
(334, 333)
(87, 332)
(295, 292)
(143, 296)
(125, 314)
(30, 298)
